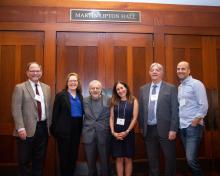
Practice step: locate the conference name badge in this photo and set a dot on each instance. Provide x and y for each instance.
(182, 102)
(120, 121)
(37, 97)
(153, 97)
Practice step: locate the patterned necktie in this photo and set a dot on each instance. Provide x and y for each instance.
(39, 110)
(151, 113)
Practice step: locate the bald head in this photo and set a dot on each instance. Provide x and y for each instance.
(183, 70)
(184, 63)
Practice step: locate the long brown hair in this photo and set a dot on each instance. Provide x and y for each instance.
(79, 87)
(116, 98)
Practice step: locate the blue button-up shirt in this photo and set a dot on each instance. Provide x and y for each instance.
(193, 101)
(76, 106)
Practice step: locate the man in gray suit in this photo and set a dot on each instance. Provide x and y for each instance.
(159, 120)
(31, 114)
(96, 130)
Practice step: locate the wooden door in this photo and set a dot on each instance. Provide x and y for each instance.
(108, 57)
(128, 57)
(16, 50)
(203, 54)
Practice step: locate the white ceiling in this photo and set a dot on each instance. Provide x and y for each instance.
(182, 2)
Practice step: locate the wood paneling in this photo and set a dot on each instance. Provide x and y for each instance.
(40, 30)
(130, 56)
(16, 50)
(200, 52)
(108, 57)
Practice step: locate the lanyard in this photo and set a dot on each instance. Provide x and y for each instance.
(124, 109)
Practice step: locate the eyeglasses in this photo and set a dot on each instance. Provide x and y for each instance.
(34, 71)
(73, 81)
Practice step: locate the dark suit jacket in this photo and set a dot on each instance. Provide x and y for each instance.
(61, 117)
(96, 127)
(166, 111)
(24, 107)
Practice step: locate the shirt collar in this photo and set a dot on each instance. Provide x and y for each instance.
(33, 83)
(158, 84)
(187, 79)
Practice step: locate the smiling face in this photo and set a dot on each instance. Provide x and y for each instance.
(121, 91)
(34, 72)
(95, 89)
(156, 72)
(183, 70)
(72, 83)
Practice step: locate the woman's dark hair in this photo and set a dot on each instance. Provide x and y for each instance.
(116, 98)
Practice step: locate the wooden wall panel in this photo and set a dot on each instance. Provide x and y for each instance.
(136, 57)
(7, 81)
(112, 56)
(40, 30)
(16, 50)
(80, 53)
(120, 63)
(190, 18)
(138, 62)
(200, 52)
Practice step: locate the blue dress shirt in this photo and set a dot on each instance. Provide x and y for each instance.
(76, 107)
(193, 101)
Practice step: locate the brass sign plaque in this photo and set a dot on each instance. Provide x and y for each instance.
(105, 15)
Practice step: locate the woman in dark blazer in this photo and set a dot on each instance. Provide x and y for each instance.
(67, 123)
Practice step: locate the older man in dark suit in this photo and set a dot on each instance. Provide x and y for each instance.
(159, 120)
(96, 130)
(31, 114)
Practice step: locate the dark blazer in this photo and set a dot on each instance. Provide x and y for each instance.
(166, 111)
(24, 107)
(61, 116)
(96, 127)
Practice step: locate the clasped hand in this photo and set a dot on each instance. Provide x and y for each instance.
(121, 135)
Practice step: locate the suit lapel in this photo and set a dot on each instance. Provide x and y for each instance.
(30, 91)
(160, 92)
(44, 93)
(90, 107)
(67, 99)
(104, 104)
(147, 93)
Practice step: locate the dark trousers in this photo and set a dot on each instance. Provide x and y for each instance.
(153, 144)
(92, 150)
(32, 152)
(68, 148)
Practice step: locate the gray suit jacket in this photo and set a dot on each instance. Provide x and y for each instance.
(166, 111)
(96, 127)
(24, 107)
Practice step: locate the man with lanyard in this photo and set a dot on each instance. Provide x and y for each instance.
(159, 120)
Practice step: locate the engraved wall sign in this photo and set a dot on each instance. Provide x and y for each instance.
(105, 15)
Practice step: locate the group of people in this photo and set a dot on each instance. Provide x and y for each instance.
(106, 124)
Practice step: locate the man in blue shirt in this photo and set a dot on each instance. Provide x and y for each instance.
(193, 106)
